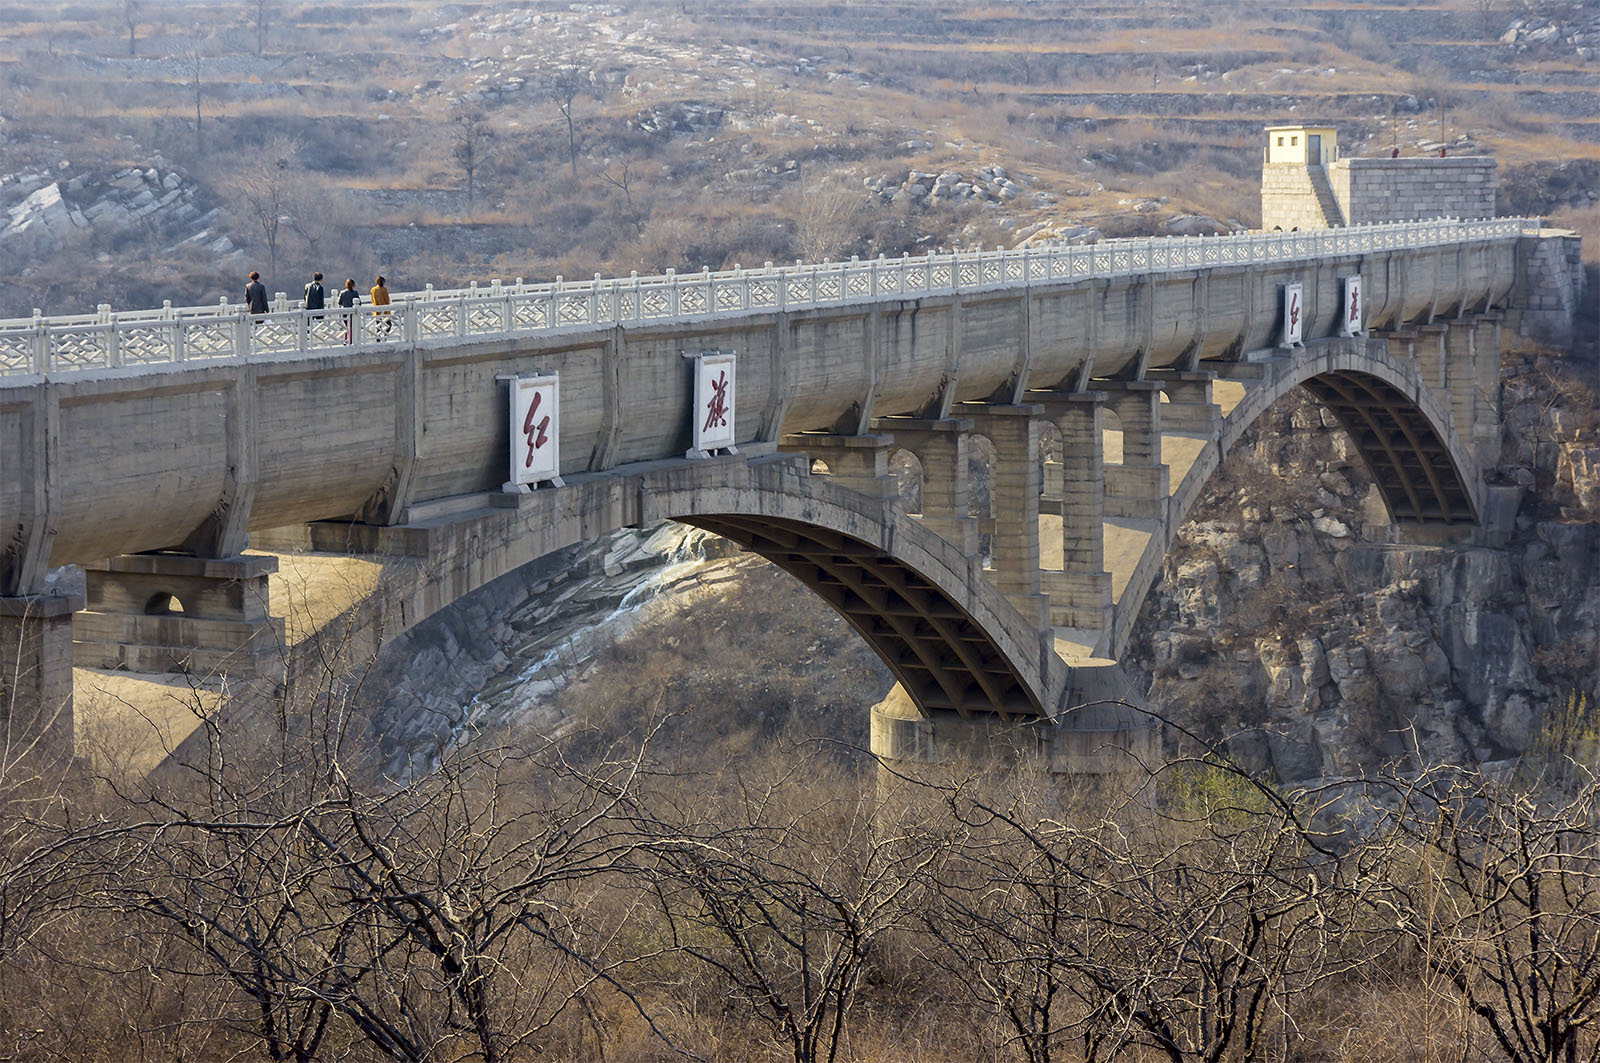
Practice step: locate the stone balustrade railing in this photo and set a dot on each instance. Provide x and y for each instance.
(131, 341)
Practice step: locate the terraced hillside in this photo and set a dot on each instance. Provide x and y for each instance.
(441, 142)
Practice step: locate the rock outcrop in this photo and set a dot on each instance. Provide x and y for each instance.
(45, 213)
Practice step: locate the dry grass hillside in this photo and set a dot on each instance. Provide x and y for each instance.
(442, 142)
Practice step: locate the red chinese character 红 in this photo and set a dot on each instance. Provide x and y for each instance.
(535, 432)
(717, 408)
(1294, 311)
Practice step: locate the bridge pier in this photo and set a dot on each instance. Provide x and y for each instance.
(1105, 734)
(1431, 355)
(1486, 388)
(1080, 591)
(1137, 487)
(1014, 489)
(36, 678)
(940, 446)
(174, 613)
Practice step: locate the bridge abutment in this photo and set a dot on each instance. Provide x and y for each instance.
(36, 658)
(174, 613)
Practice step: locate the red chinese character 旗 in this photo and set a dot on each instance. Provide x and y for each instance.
(1355, 304)
(537, 433)
(717, 408)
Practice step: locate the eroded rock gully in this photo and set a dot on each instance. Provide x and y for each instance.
(1292, 625)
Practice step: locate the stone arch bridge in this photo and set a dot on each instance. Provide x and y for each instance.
(148, 446)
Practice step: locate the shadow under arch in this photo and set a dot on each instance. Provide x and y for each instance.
(1424, 472)
(952, 640)
(934, 647)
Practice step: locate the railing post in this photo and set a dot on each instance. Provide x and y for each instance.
(672, 292)
(108, 321)
(174, 330)
(40, 343)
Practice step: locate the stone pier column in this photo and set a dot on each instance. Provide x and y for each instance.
(1138, 487)
(940, 445)
(1080, 592)
(860, 463)
(1486, 388)
(1014, 498)
(175, 613)
(36, 679)
(1189, 409)
(1461, 375)
(1431, 356)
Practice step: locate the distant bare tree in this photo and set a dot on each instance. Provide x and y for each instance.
(471, 146)
(622, 181)
(130, 18)
(564, 86)
(260, 9)
(265, 188)
(193, 61)
(829, 220)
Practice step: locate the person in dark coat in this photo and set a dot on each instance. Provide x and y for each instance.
(255, 294)
(316, 294)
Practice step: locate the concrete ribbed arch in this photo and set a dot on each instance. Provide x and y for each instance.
(938, 652)
(1406, 451)
(951, 639)
(1402, 431)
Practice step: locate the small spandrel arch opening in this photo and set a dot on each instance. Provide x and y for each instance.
(163, 604)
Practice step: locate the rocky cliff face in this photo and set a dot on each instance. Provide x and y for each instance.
(1293, 625)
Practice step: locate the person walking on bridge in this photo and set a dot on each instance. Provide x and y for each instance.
(380, 297)
(316, 295)
(255, 294)
(349, 299)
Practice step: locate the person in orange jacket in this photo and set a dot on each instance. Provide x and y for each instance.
(380, 297)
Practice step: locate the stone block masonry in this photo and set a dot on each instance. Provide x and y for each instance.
(1288, 198)
(1552, 282)
(1377, 190)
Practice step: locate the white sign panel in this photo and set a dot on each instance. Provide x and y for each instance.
(1352, 325)
(535, 430)
(714, 392)
(1293, 315)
